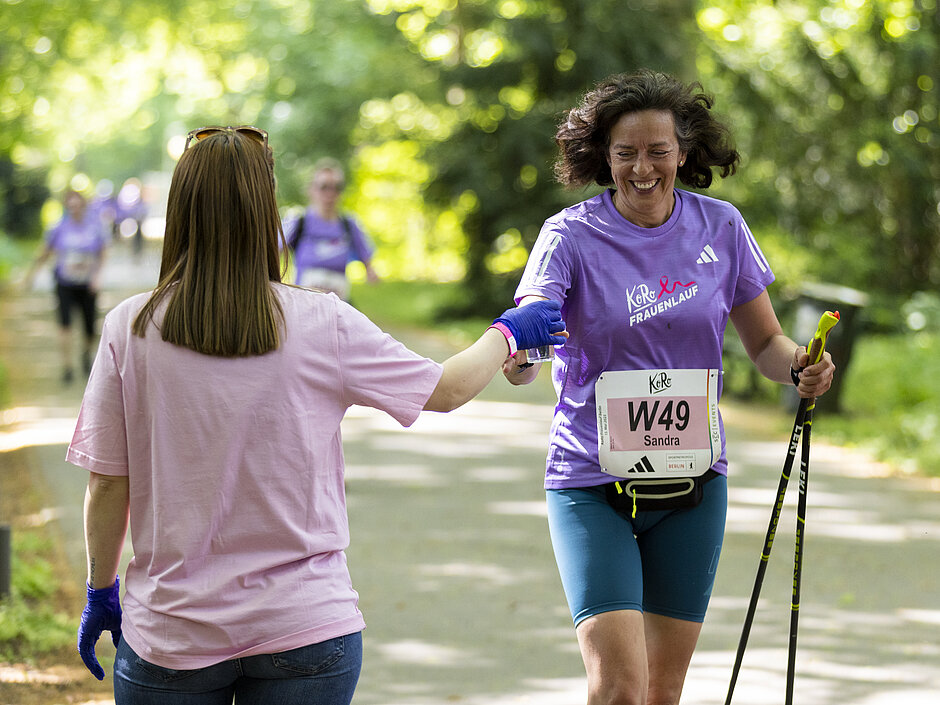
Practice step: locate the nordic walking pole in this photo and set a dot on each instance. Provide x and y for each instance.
(768, 545)
(826, 324)
(774, 520)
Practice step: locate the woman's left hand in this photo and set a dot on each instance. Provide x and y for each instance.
(102, 613)
(815, 380)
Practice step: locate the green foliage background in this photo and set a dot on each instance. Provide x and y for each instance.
(445, 112)
(33, 618)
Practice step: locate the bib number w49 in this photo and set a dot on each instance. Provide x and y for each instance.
(658, 422)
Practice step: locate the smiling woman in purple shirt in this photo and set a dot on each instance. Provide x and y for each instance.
(648, 276)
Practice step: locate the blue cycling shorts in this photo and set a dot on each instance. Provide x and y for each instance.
(663, 561)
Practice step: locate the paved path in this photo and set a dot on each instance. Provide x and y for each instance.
(450, 549)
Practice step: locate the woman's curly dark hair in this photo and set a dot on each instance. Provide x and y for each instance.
(583, 137)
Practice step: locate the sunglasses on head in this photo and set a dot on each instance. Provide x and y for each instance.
(255, 133)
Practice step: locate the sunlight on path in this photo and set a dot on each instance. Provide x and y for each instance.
(31, 426)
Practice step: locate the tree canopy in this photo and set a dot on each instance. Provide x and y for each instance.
(445, 112)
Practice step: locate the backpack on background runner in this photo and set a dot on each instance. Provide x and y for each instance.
(298, 231)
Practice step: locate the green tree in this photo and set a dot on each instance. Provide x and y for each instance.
(103, 88)
(507, 70)
(834, 104)
(839, 103)
(445, 111)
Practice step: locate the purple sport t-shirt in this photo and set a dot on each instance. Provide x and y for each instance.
(78, 245)
(635, 298)
(328, 244)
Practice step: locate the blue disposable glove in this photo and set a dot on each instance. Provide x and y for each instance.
(102, 613)
(534, 324)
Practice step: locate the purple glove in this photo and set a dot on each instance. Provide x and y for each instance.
(102, 613)
(532, 325)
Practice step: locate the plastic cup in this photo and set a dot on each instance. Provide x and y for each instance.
(543, 353)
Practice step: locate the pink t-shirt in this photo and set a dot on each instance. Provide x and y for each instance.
(235, 465)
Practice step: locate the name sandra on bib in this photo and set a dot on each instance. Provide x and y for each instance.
(658, 422)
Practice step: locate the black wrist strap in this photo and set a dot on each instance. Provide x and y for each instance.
(795, 376)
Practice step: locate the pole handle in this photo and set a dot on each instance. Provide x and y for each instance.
(817, 346)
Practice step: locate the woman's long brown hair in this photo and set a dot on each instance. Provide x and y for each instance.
(221, 251)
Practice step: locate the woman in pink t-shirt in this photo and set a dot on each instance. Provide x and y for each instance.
(211, 427)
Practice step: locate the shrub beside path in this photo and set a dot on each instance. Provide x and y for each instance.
(451, 556)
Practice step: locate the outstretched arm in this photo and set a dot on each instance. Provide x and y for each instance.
(469, 371)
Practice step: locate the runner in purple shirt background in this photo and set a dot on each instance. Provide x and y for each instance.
(78, 242)
(648, 277)
(323, 239)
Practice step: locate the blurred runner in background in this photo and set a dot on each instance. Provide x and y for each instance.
(78, 242)
(323, 240)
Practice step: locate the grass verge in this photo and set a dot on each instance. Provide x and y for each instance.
(891, 401)
(14, 255)
(33, 622)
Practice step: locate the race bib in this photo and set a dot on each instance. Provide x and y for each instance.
(326, 249)
(78, 267)
(326, 280)
(658, 422)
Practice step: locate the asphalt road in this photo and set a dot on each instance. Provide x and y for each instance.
(451, 556)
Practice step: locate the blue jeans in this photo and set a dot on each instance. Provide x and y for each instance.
(320, 674)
